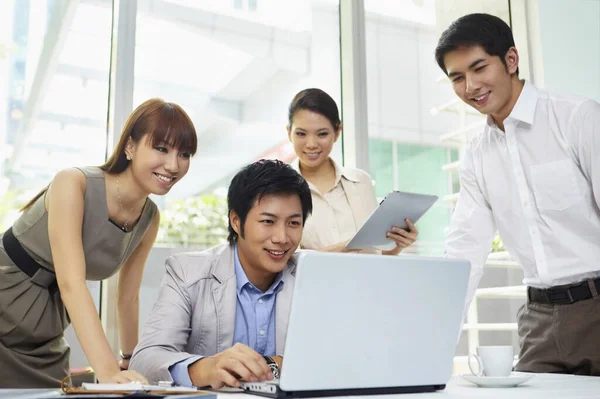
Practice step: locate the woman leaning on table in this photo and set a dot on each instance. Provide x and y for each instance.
(89, 223)
(343, 197)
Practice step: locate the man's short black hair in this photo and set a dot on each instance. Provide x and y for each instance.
(262, 178)
(487, 31)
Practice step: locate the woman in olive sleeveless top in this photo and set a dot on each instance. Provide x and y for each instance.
(88, 224)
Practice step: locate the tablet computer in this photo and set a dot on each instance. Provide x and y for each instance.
(392, 211)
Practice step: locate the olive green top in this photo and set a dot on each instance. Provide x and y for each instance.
(105, 246)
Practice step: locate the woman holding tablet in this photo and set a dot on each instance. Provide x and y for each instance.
(343, 198)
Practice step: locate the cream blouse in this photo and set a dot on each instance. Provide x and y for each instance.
(338, 213)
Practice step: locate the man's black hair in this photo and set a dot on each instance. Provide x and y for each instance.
(262, 178)
(487, 31)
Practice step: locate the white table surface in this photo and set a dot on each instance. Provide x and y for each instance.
(542, 386)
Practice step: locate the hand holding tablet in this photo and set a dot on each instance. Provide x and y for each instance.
(393, 211)
(403, 238)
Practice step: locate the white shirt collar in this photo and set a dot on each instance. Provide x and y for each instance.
(524, 109)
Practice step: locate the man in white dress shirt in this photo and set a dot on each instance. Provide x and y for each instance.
(533, 174)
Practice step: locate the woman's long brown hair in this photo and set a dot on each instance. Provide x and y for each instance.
(165, 122)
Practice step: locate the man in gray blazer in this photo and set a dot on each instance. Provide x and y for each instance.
(221, 315)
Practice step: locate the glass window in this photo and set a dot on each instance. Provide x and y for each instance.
(570, 36)
(411, 106)
(55, 93)
(234, 66)
(54, 70)
(418, 127)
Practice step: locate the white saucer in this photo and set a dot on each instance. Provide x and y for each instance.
(512, 380)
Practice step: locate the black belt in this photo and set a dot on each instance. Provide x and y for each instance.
(564, 294)
(38, 274)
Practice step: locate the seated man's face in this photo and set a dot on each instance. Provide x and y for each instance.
(272, 233)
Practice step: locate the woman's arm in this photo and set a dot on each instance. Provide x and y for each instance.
(128, 298)
(339, 247)
(65, 205)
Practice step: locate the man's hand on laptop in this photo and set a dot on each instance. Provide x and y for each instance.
(229, 367)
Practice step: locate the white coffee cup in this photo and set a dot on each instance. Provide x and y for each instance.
(493, 361)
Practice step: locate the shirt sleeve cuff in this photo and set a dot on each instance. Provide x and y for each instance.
(179, 371)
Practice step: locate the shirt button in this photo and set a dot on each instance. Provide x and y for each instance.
(262, 332)
(525, 204)
(260, 301)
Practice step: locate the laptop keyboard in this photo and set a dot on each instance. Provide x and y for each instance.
(264, 387)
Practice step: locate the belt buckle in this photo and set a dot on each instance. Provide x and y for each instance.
(563, 296)
(43, 278)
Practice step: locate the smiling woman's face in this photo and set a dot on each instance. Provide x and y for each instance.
(313, 137)
(157, 168)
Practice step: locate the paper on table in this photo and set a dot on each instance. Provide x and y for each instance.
(134, 386)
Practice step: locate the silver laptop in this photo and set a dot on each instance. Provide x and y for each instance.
(369, 324)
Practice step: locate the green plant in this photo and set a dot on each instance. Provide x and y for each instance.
(194, 222)
(497, 244)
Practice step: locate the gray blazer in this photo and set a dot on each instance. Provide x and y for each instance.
(195, 311)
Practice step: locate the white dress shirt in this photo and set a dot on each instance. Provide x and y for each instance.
(538, 184)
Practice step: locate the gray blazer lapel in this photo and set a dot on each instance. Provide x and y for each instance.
(282, 310)
(225, 297)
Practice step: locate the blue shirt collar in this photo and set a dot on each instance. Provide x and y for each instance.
(243, 282)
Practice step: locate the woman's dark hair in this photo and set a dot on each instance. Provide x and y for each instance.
(315, 100)
(262, 178)
(165, 122)
(487, 31)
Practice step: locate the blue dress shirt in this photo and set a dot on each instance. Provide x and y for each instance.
(254, 320)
